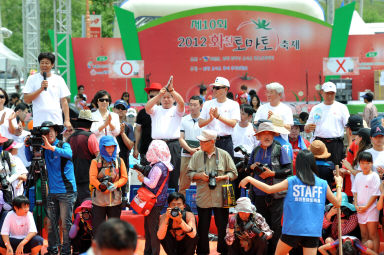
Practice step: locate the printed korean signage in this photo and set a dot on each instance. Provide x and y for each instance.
(95, 26)
(248, 47)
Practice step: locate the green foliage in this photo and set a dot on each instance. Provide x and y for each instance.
(105, 9)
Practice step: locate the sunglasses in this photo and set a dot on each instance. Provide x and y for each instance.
(151, 96)
(2, 96)
(218, 87)
(103, 100)
(120, 107)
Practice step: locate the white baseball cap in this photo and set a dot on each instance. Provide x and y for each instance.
(207, 135)
(329, 87)
(221, 81)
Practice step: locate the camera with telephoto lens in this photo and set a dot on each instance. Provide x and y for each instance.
(175, 211)
(251, 226)
(242, 165)
(105, 182)
(142, 169)
(4, 183)
(86, 215)
(260, 168)
(212, 180)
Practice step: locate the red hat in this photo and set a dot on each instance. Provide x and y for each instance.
(153, 86)
(3, 139)
(86, 204)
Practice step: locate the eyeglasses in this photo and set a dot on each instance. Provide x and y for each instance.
(120, 107)
(218, 87)
(126, 96)
(103, 100)
(2, 96)
(151, 96)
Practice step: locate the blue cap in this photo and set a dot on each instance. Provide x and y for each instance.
(377, 130)
(376, 121)
(121, 102)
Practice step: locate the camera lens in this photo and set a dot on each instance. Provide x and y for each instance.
(175, 212)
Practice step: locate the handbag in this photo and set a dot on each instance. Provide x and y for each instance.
(229, 199)
(144, 200)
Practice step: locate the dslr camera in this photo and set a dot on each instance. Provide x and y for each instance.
(251, 226)
(260, 168)
(212, 180)
(105, 182)
(242, 165)
(4, 183)
(175, 211)
(142, 169)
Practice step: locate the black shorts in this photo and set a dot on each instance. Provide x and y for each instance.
(303, 241)
(35, 241)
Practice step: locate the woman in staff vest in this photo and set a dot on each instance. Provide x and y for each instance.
(306, 195)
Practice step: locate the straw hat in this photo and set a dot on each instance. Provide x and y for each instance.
(266, 126)
(278, 123)
(319, 149)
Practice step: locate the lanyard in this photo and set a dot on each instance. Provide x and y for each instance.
(205, 160)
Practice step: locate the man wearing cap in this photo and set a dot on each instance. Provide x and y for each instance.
(61, 188)
(275, 92)
(271, 164)
(211, 167)
(370, 110)
(297, 142)
(377, 150)
(189, 130)
(247, 230)
(85, 147)
(143, 129)
(327, 120)
(166, 121)
(221, 114)
(354, 124)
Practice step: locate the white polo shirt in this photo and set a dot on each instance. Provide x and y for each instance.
(47, 105)
(190, 128)
(330, 120)
(244, 136)
(229, 110)
(4, 127)
(166, 122)
(283, 110)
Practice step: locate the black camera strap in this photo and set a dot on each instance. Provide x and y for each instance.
(205, 160)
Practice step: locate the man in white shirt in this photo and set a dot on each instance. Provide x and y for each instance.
(166, 120)
(48, 94)
(189, 144)
(221, 114)
(275, 92)
(244, 135)
(327, 120)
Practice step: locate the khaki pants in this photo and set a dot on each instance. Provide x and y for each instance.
(185, 182)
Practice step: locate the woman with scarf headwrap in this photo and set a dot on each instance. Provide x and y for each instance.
(159, 157)
(107, 175)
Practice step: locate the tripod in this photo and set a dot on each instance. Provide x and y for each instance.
(38, 178)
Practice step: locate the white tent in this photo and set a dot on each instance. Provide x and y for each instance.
(358, 26)
(11, 60)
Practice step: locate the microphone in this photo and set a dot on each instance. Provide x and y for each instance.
(45, 78)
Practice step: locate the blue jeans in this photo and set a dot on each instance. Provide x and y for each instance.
(60, 205)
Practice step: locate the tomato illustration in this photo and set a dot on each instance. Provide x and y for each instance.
(247, 80)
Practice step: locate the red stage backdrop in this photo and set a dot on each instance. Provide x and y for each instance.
(93, 56)
(247, 47)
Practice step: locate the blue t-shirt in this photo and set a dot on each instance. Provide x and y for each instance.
(264, 157)
(304, 207)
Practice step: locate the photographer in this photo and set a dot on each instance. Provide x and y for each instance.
(247, 230)
(211, 167)
(62, 190)
(270, 164)
(81, 230)
(107, 175)
(177, 228)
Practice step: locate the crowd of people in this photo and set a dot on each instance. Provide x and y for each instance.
(265, 158)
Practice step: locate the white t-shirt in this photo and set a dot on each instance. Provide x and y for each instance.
(4, 127)
(245, 137)
(366, 186)
(47, 105)
(282, 110)
(378, 158)
(330, 120)
(18, 226)
(21, 151)
(229, 110)
(99, 121)
(191, 130)
(20, 169)
(166, 122)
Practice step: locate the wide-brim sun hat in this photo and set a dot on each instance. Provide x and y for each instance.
(319, 149)
(278, 123)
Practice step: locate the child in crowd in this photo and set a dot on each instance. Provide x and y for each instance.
(366, 190)
(19, 233)
(81, 230)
